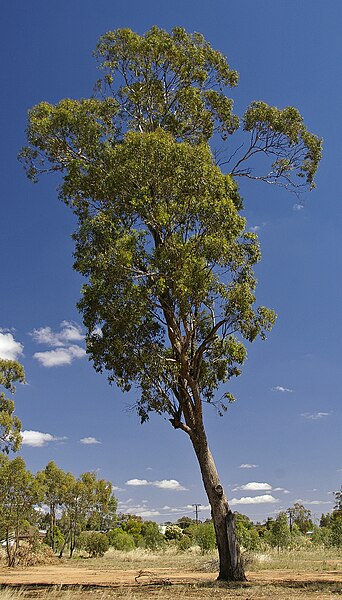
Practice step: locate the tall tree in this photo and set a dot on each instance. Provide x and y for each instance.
(301, 516)
(19, 492)
(170, 295)
(10, 426)
(54, 482)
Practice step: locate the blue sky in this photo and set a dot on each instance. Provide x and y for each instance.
(281, 441)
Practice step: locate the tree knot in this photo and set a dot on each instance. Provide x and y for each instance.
(219, 490)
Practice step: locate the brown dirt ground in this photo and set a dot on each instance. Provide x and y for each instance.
(70, 575)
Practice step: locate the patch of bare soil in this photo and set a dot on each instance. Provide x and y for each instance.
(65, 575)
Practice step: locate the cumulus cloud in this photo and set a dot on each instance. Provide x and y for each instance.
(280, 489)
(298, 207)
(266, 499)
(37, 439)
(146, 513)
(164, 484)
(169, 484)
(314, 502)
(89, 440)
(281, 389)
(248, 466)
(59, 357)
(137, 482)
(69, 332)
(253, 486)
(65, 350)
(10, 349)
(255, 228)
(315, 416)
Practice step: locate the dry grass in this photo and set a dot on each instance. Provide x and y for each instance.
(297, 575)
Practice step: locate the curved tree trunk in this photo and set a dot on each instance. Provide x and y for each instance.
(231, 564)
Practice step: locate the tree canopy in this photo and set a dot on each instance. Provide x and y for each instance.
(10, 426)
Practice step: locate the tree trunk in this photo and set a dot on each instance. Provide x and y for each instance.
(231, 564)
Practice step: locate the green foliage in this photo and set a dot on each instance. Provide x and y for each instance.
(282, 133)
(321, 536)
(167, 80)
(336, 530)
(300, 516)
(133, 526)
(184, 543)
(325, 520)
(56, 542)
(19, 493)
(184, 522)
(246, 532)
(153, 539)
(10, 426)
(121, 540)
(170, 291)
(278, 535)
(204, 537)
(94, 542)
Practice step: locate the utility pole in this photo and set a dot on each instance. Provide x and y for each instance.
(290, 512)
(196, 511)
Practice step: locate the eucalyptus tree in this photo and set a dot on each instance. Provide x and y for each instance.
(10, 426)
(170, 291)
(55, 485)
(20, 491)
(88, 503)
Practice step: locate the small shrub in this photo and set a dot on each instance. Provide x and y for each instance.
(121, 540)
(184, 543)
(153, 539)
(205, 537)
(94, 542)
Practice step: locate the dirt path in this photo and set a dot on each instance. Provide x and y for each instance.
(65, 575)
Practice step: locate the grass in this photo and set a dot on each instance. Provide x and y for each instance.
(299, 578)
(313, 559)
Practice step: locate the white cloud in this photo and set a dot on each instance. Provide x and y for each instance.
(313, 502)
(248, 466)
(280, 489)
(266, 499)
(59, 357)
(298, 207)
(253, 486)
(89, 440)
(146, 513)
(164, 484)
(280, 388)
(115, 488)
(137, 482)
(37, 439)
(9, 348)
(169, 484)
(315, 416)
(69, 332)
(255, 228)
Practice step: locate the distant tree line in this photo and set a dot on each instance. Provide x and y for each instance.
(54, 501)
(80, 513)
